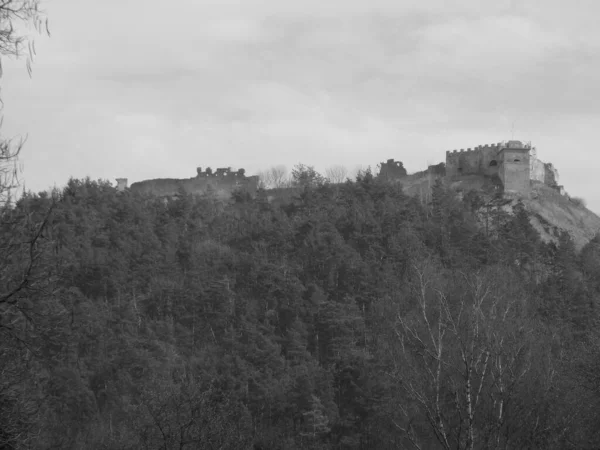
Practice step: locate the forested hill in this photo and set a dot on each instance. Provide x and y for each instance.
(550, 211)
(349, 317)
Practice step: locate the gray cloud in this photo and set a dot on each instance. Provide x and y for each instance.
(146, 89)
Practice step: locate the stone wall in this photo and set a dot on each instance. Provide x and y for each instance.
(432, 173)
(538, 170)
(514, 162)
(514, 170)
(481, 160)
(543, 172)
(395, 171)
(159, 187)
(463, 162)
(551, 177)
(221, 183)
(499, 159)
(392, 170)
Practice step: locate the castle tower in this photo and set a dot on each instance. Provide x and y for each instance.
(514, 167)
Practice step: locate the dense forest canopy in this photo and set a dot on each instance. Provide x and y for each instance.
(349, 316)
(339, 316)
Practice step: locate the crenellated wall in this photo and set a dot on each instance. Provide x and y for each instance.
(479, 160)
(514, 162)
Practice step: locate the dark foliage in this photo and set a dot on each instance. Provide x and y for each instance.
(350, 317)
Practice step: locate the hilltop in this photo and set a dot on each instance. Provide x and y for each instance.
(503, 175)
(550, 211)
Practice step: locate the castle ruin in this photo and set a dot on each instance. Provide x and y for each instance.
(223, 182)
(515, 163)
(391, 170)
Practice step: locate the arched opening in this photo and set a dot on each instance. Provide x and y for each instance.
(460, 170)
(493, 163)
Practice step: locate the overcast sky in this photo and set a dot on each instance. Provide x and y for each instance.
(146, 89)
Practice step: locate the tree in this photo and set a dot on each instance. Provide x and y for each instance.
(274, 178)
(184, 414)
(470, 358)
(337, 174)
(21, 254)
(8, 171)
(15, 15)
(306, 176)
(26, 313)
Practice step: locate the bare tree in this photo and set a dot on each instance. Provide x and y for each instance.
(274, 178)
(21, 252)
(15, 17)
(337, 174)
(9, 170)
(467, 356)
(280, 176)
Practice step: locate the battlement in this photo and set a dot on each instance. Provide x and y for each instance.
(475, 149)
(498, 146)
(515, 162)
(221, 172)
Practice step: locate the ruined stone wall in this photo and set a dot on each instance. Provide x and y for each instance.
(551, 177)
(221, 183)
(538, 170)
(392, 170)
(432, 173)
(160, 187)
(543, 172)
